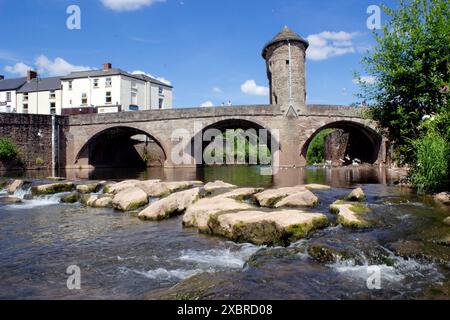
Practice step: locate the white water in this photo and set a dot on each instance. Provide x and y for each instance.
(40, 201)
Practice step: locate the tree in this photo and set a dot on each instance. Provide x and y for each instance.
(411, 68)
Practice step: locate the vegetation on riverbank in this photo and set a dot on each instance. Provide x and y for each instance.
(409, 94)
(8, 150)
(316, 149)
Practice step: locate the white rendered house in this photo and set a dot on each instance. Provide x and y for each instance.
(113, 90)
(8, 92)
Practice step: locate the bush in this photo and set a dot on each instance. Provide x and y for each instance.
(8, 150)
(432, 168)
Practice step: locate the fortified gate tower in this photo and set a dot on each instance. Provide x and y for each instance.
(285, 56)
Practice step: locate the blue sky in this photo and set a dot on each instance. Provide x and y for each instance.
(207, 49)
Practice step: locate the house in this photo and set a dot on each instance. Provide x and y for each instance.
(113, 90)
(8, 92)
(40, 95)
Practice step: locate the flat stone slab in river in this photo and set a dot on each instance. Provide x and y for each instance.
(241, 193)
(356, 195)
(10, 200)
(218, 185)
(16, 184)
(352, 214)
(270, 198)
(300, 199)
(174, 204)
(199, 214)
(130, 199)
(315, 186)
(53, 188)
(268, 228)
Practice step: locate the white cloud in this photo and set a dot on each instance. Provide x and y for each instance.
(328, 44)
(19, 69)
(128, 5)
(57, 67)
(217, 90)
(162, 79)
(365, 80)
(207, 104)
(250, 87)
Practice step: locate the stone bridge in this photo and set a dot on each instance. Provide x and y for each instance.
(291, 131)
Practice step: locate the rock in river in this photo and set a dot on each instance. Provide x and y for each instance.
(270, 198)
(218, 185)
(88, 188)
(170, 206)
(315, 186)
(443, 197)
(130, 199)
(52, 188)
(300, 199)
(268, 228)
(16, 184)
(241, 193)
(97, 201)
(71, 198)
(356, 195)
(199, 214)
(10, 200)
(351, 214)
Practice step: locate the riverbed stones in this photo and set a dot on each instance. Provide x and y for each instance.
(218, 185)
(71, 198)
(10, 200)
(315, 186)
(443, 197)
(53, 188)
(14, 186)
(199, 214)
(268, 228)
(97, 201)
(356, 195)
(115, 188)
(351, 214)
(88, 188)
(241, 193)
(300, 199)
(421, 250)
(130, 199)
(270, 198)
(170, 206)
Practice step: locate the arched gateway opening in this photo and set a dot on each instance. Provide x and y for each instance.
(233, 142)
(121, 147)
(343, 143)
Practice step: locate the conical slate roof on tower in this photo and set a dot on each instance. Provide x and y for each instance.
(285, 35)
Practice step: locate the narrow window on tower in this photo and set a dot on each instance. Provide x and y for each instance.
(287, 62)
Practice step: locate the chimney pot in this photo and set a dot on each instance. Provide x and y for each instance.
(31, 74)
(107, 66)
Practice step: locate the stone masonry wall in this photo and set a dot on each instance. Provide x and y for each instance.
(33, 136)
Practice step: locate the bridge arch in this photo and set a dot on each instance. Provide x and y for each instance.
(264, 134)
(363, 142)
(121, 146)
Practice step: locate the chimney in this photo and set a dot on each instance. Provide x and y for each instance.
(31, 74)
(2, 77)
(107, 66)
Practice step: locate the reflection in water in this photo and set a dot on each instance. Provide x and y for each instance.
(238, 175)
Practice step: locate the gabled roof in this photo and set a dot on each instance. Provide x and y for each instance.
(112, 72)
(43, 84)
(285, 35)
(12, 84)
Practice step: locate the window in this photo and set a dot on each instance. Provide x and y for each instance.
(52, 95)
(8, 97)
(25, 97)
(288, 62)
(96, 83)
(133, 85)
(160, 90)
(84, 100)
(134, 98)
(108, 82)
(52, 108)
(108, 97)
(70, 85)
(25, 108)
(161, 103)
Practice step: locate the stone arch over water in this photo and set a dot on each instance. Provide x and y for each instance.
(121, 147)
(361, 141)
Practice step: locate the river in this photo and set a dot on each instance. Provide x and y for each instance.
(122, 257)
